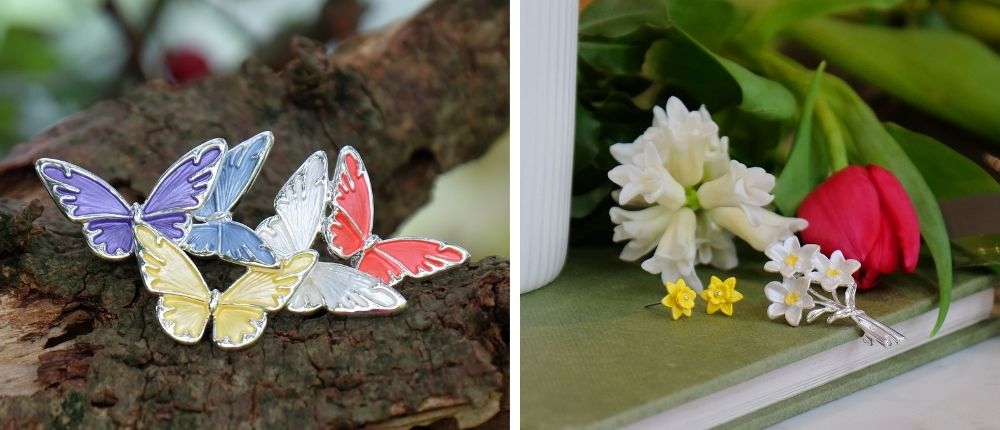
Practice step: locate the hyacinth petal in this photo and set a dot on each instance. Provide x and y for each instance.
(843, 213)
(901, 214)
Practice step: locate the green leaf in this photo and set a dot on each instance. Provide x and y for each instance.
(977, 251)
(948, 173)
(679, 60)
(613, 57)
(586, 142)
(618, 18)
(26, 50)
(760, 96)
(945, 73)
(710, 22)
(778, 15)
(582, 205)
(801, 174)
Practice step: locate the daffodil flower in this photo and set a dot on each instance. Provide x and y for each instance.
(679, 298)
(833, 272)
(789, 258)
(789, 298)
(721, 295)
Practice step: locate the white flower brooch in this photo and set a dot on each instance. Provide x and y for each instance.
(801, 266)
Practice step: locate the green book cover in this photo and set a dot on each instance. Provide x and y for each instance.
(593, 355)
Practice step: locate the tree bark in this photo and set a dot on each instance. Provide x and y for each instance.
(79, 342)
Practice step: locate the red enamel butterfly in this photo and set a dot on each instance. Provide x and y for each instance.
(348, 231)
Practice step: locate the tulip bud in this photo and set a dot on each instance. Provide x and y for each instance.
(866, 214)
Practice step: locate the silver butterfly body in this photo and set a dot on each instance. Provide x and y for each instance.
(300, 210)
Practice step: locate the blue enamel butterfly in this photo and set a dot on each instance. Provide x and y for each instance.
(219, 235)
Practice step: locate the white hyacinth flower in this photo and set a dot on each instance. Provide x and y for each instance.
(683, 138)
(715, 245)
(643, 229)
(789, 258)
(697, 197)
(647, 178)
(674, 257)
(788, 298)
(743, 187)
(833, 272)
(770, 228)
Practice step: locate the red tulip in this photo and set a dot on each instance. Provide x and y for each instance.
(866, 214)
(186, 64)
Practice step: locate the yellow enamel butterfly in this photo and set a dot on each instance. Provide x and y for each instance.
(239, 314)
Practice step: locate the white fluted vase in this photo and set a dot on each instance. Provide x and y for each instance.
(548, 90)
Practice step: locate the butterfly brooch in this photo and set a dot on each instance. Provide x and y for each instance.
(239, 314)
(348, 231)
(108, 221)
(189, 211)
(300, 208)
(219, 235)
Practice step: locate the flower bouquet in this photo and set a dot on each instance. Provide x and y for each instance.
(716, 120)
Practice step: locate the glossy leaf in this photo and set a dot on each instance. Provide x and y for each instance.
(801, 173)
(718, 83)
(760, 96)
(778, 15)
(612, 57)
(948, 173)
(945, 73)
(618, 18)
(679, 60)
(586, 139)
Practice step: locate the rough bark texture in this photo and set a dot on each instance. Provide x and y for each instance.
(79, 343)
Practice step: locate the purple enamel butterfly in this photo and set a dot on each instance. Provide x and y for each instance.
(108, 220)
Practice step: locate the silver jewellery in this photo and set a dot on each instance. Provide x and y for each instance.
(802, 266)
(281, 269)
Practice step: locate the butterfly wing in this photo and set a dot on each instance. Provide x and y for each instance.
(299, 206)
(79, 194)
(83, 197)
(348, 291)
(184, 187)
(237, 171)
(110, 238)
(230, 241)
(350, 224)
(241, 314)
(392, 260)
(183, 308)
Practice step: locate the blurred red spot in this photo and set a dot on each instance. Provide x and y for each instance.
(186, 64)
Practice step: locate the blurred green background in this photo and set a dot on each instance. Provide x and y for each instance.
(60, 56)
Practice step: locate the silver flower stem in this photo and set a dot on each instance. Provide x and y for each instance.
(874, 331)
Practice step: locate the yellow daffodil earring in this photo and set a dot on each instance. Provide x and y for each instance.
(680, 299)
(720, 295)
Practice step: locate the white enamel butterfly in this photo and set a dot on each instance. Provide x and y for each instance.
(343, 290)
(186, 304)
